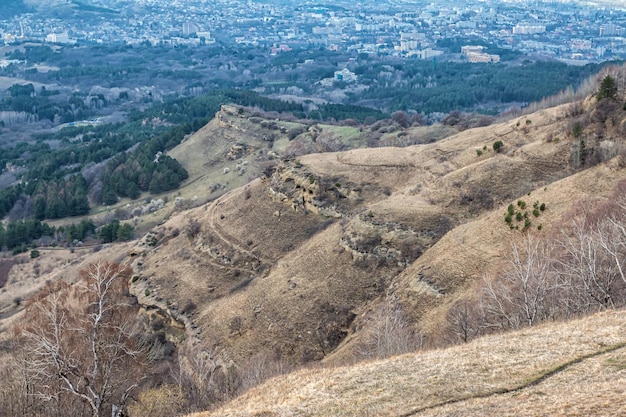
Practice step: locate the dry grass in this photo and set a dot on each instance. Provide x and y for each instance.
(255, 259)
(495, 375)
(286, 277)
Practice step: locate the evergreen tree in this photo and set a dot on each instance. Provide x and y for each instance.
(124, 232)
(608, 88)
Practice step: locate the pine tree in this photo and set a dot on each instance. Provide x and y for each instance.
(608, 88)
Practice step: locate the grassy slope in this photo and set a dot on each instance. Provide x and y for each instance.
(574, 368)
(305, 270)
(284, 272)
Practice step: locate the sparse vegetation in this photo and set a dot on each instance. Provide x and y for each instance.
(520, 213)
(192, 228)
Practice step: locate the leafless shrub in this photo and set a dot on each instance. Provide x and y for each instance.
(204, 377)
(164, 401)
(464, 321)
(327, 142)
(389, 333)
(295, 132)
(401, 118)
(15, 398)
(261, 367)
(575, 109)
(189, 307)
(476, 198)
(192, 228)
(236, 325)
(297, 148)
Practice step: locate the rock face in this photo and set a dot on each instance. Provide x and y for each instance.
(302, 189)
(388, 242)
(365, 236)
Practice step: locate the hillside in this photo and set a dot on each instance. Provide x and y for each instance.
(271, 258)
(329, 235)
(518, 374)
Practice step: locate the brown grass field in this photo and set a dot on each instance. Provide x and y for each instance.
(559, 369)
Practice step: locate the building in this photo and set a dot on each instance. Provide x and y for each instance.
(476, 54)
(472, 49)
(59, 38)
(528, 29)
(206, 35)
(189, 29)
(610, 29)
(411, 41)
(345, 75)
(482, 58)
(427, 53)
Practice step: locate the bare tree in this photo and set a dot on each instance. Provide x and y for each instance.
(206, 376)
(389, 333)
(14, 389)
(520, 294)
(260, 367)
(611, 237)
(80, 340)
(593, 262)
(464, 320)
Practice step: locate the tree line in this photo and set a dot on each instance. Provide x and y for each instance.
(101, 163)
(45, 104)
(19, 236)
(431, 86)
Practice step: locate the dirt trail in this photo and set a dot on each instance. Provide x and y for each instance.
(530, 383)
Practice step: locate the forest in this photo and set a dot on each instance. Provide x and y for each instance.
(384, 83)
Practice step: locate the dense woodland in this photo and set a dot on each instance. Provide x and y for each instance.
(19, 236)
(391, 84)
(431, 86)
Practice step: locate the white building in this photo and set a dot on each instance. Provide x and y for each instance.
(59, 38)
(345, 75)
(528, 29)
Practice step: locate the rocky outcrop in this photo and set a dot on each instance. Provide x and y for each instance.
(294, 185)
(389, 242)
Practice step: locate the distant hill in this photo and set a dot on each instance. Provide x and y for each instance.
(11, 8)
